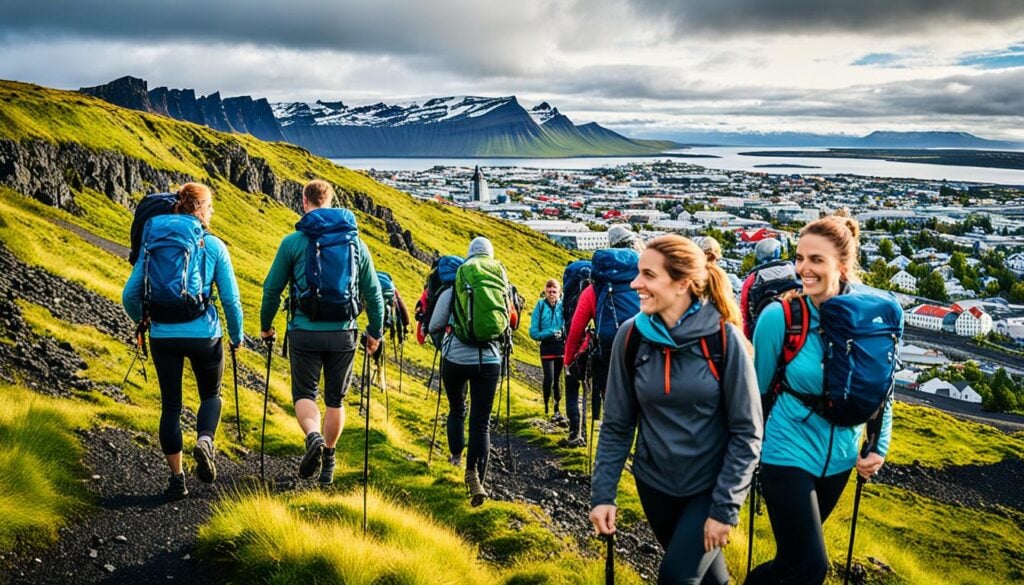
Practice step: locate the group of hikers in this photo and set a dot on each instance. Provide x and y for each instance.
(771, 392)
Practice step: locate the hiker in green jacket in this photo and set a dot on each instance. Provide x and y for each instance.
(322, 335)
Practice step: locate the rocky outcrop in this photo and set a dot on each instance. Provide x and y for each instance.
(251, 174)
(237, 114)
(399, 238)
(51, 173)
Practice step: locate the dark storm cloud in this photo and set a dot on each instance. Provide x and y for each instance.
(463, 32)
(818, 16)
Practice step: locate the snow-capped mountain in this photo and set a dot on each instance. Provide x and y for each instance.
(432, 111)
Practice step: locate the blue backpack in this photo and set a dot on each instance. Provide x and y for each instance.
(174, 269)
(441, 278)
(151, 206)
(613, 270)
(331, 266)
(575, 279)
(861, 333)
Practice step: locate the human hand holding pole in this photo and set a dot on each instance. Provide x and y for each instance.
(603, 518)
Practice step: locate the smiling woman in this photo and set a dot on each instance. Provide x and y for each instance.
(682, 367)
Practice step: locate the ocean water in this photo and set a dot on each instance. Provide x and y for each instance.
(727, 158)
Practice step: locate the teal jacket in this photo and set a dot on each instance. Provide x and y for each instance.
(218, 271)
(794, 436)
(546, 320)
(290, 267)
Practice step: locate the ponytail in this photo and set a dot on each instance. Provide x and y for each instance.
(191, 198)
(719, 290)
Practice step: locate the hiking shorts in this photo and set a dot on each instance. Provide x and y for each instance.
(311, 352)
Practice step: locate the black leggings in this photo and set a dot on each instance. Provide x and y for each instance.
(552, 380)
(678, 524)
(206, 356)
(573, 382)
(483, 381)
(798, 504)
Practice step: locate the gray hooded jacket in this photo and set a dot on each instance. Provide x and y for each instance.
(695, 434)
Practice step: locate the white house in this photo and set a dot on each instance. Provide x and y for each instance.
(580, 240)
(967, 394)
(906, 378)
(900, 262)
(939, 388)
(904, 281)
(926, 317)
(973, 322)
(1016, 263)
(913, 354)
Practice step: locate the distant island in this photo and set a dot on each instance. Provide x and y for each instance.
(997, 159)
(786, 166)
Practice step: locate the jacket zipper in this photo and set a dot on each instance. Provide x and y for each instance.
(668, 370)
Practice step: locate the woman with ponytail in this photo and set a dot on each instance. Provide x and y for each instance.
(807, 460)
(198, 339)
(681, 373)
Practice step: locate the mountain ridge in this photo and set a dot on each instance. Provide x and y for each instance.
(458, 126)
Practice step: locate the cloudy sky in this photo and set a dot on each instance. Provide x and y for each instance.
(647, 67)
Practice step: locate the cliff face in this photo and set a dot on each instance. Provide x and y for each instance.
(240, 114)
(52, 174)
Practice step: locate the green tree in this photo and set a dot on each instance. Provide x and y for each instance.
(1017, 292)
(748, 264)
(885, 248)
(933, 287)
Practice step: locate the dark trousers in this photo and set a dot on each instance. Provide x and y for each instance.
(483, 381)
(678, 524)
(573, 381)
(798, 504)
(552, 380)
(598, 381)
(206, 356)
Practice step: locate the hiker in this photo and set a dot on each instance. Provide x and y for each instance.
(806, 460)
(575, 279)
(396, 323)
(477, 363)
(185, 328)
(608, 311)
(767, 282)
(681, 373)
(546, 327)
(315, 262)
(712, 249)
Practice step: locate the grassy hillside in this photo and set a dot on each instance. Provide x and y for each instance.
(258, 536)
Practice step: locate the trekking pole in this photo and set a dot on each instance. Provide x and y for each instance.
(234, 369)
(508, 406)
(868, 445)
(140, 349)
(382, 363)
(401, 363)
(609, 558)
(752, 511)
(364, 383)
(266, 395)
(433, 366)
(437, 415)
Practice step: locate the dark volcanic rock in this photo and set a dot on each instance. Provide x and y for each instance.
(254, 117)
(50, 173)
(127, 92)
(252, 174)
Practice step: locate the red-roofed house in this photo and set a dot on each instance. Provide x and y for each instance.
(927, 317)
(973, 322)
(756, 235)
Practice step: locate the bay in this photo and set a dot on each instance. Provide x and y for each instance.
(727, 158)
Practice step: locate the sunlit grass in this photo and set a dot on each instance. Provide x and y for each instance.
(40, 473)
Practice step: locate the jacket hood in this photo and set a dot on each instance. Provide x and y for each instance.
(327, 220)
(480, 246)
(704, 322)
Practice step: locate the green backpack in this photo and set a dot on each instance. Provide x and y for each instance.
(481, 302)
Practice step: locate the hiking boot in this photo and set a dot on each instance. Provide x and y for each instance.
(327, 469)
(560, 419)
(176, 489)
(206, 470)
(312, 460)
(477, 493)
(455, 460)
(577, 441)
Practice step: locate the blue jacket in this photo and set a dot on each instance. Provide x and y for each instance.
(546, 320)
(794, 436)
(219, 271)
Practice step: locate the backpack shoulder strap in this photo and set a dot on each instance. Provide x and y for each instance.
(797, 325)
(710, 346)
(632, 348)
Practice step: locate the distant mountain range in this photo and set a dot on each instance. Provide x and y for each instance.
(464, 126)
(877, 139)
